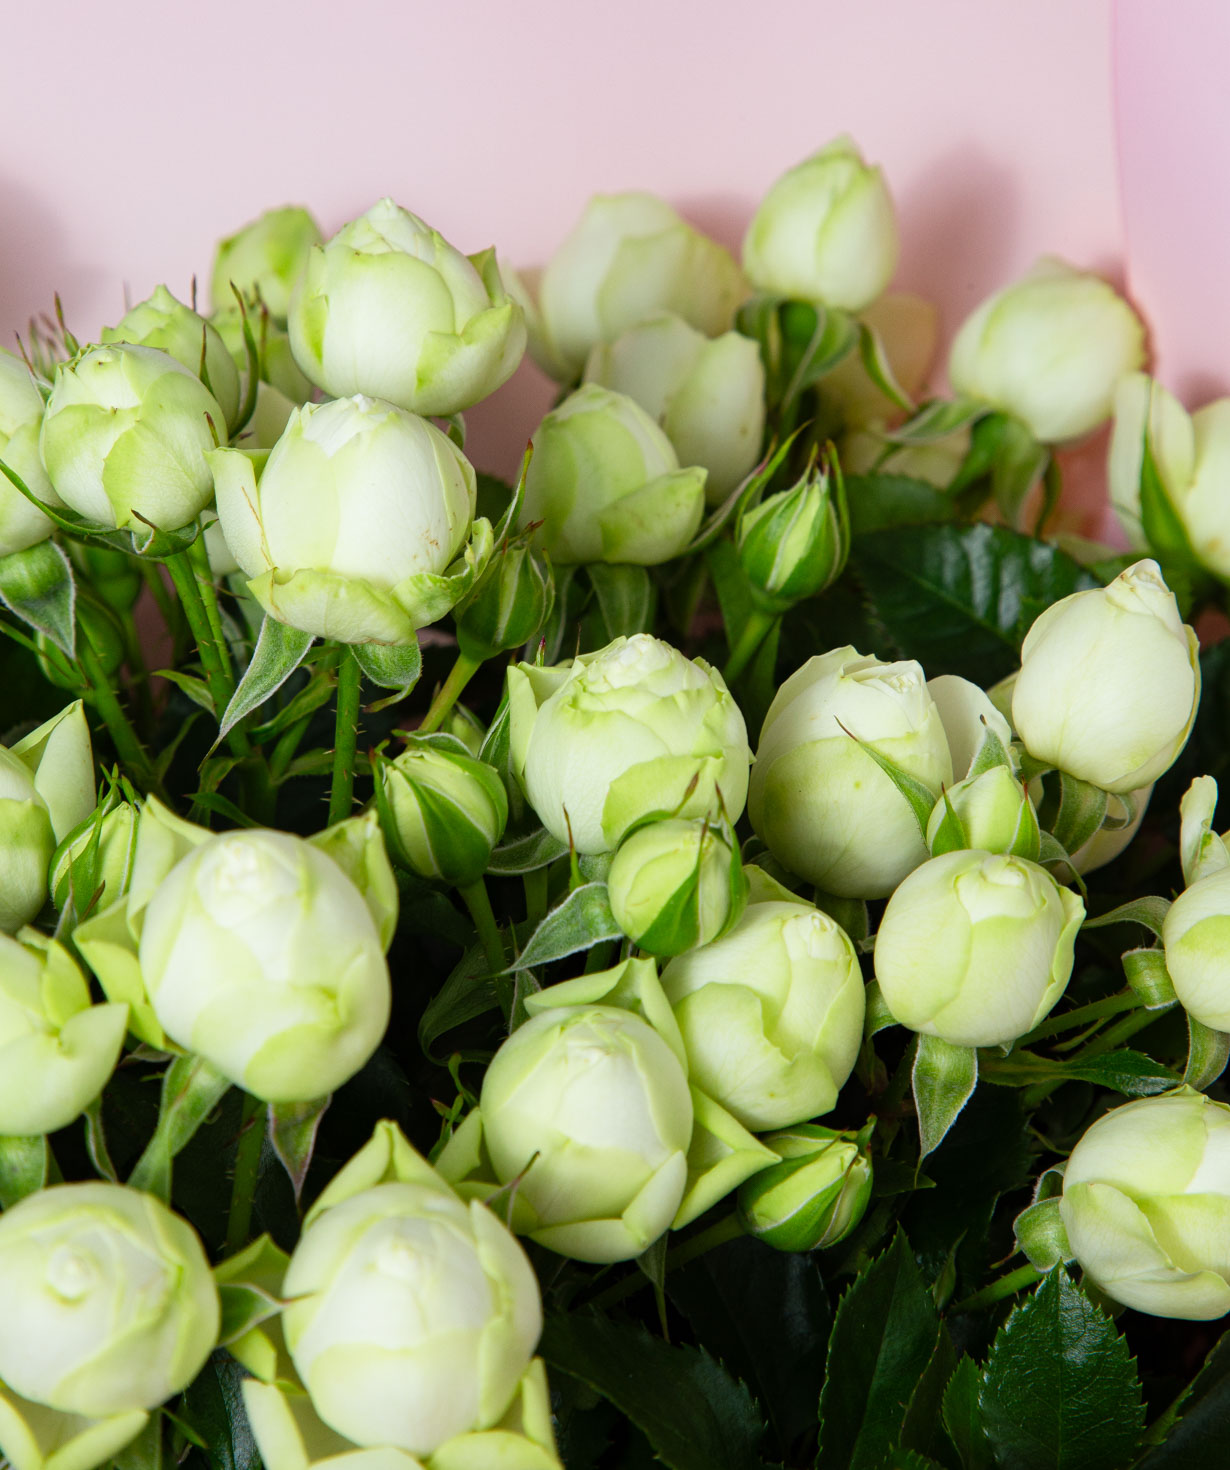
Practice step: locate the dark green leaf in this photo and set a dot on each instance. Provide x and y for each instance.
(923, 1430)
(1129, 1072)
(526, 854)
(213, 1407)
(1198, 1440)
(24, 1167)
(191, 1089)
(963, 1418)
(883, 1338)
(581, 921)
(881, 501)
(468, 992)
(766, 1315)
(1059, 1391)
(693, 1413)
(961, 598)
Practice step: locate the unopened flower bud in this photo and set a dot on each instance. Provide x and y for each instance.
(98, 857)
(22, 524)
(1109, 682)
(670, 886)
(814, 1197)
(826, 231)
(264, 259)
(445, 810)
(994, 813)
(510, 603)
(795, 543)
(174, 328)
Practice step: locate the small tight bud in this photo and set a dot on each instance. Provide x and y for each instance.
(670, 886)
(508, 606)
(443, 811)
(815, 1196)
(794, 544)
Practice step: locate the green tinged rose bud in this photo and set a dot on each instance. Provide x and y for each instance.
(1109, 682)
(97, 855)
(1050, 349)
(1146, 1205)
(629, 257)
(412, 1317)
(357, 527)
(616, 736)
(1191, 459)
(109, 1302)
(605, 484)
(993, 813)
(510, 603)
(588, 1108)
(815, 1196)
(21, 416)
(57, 1051)
(976, 948)
(125, 435)
(708, 395)
(826, 231)
(771, 1015)
(46, 789)
(170, 326)
(443, 810)
(795, 543)
(389, 308)
(263, 925)
(264, 259)
(670, 886)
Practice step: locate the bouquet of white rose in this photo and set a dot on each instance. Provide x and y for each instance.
(682, 1006)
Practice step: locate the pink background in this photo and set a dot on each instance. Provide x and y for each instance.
(148, 131)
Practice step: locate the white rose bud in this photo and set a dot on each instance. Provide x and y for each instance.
(630, 257)
(46, 789)
(103, 850)
(109, 1302)
(771, 1015)
(412, 1316)
(446, 811)
(21, 416)
(172, 327)
(589, 1109)
(633, 730)
(605, 484)
(125, 435)
(263, 925)
(57, 1051)
(389, 308)
(1109, 682)
(1050, 349)
(825, 231)
(1146, 1205)
(264, 259)
(1191, 454)
(356, 528)
(708, 395)
(995, 813)
(818, 801)
(976, 948)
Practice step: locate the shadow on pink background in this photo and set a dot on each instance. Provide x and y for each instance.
(151, 131)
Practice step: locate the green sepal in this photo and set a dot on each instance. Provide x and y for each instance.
(36, 585)
(1148, 976)
(1208, 1052)
(944, 1077)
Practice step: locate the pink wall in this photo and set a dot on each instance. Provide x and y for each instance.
(151, 130)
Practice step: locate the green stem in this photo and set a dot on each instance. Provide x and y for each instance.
(537, 893)
(247, 1169)
(1073, 1020)
(183, 575)
(199, 560)
(105, 700)
(346, 739)
(754, 632)
(449, 692)
(1006, 1286)
(478, 902)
